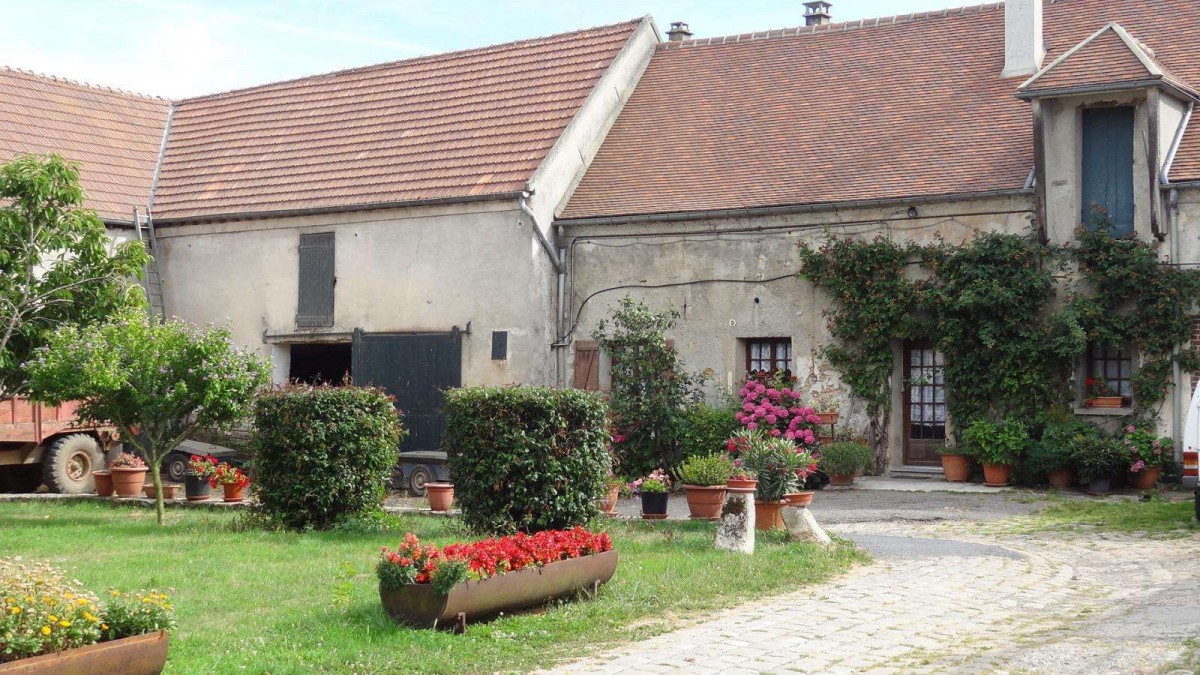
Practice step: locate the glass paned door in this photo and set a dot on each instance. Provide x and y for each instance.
(924, 404)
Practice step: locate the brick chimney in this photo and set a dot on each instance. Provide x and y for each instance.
(817, 13)
(1023, 46)
(679, 31)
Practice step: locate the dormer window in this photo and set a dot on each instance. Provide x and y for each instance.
(1106, 177)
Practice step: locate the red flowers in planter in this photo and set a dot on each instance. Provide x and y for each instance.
(413, 562)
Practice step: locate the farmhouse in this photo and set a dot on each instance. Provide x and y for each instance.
(468, 218)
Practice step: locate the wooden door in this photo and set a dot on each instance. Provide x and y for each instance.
(924, 405)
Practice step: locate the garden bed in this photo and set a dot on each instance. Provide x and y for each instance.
(284, 601)
(137, 655)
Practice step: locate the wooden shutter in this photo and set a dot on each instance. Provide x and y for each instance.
(1107, 177)
(587, 366)
(314, 306)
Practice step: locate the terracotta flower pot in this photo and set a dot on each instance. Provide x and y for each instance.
(742, 484)
(799, 499)
(1103, 402)
(996, 475)
(1061, 478)
(440, 496)
(841, 480)
(654, 505)
(1145, 479)
(104, 482)
(233, 492)
(827, 418)
(705, 502)
(768, 516)
(168, 491)
(128, 482)
(957, 468)
(608, 503)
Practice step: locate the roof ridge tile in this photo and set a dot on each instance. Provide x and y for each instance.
(83, 85)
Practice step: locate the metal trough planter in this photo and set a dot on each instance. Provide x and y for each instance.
(137, 655)
(420, 606)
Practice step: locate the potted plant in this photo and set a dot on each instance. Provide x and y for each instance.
(104, 483)
(440, 496)
(778, 464)
(169, 491)
(232, 480)
(844, 460)
(997, 446)
(826, 405)
(704, 479)
(1100, 395)
(1096, 458)
(1053, 460)
(612, 493)
(742, 477)
(652, 489)
(128, 475)
(1147, 455)
(195, 482)
(62, 627)
(956, 465)
(430, 587)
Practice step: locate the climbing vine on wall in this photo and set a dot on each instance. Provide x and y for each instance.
(990, 306)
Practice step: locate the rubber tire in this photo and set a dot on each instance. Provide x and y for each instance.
(420, 475)
(175, 467)
(68, 464)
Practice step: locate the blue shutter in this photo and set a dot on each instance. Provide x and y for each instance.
(1107, 178)
(314, 306)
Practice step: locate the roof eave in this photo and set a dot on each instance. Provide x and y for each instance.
(161, 221)
(764, 211)
(1081, 90)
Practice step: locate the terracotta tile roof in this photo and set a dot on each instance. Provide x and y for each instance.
(1109, 57)
(451, 126)
(114, 135)
(901, 107)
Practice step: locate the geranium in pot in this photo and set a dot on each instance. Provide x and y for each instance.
(1100, 394)
(128, 475)
(956, 465)
(652, 489)
(844, 460)
(232, 480)
(997, 446)
(195, 481)
(742, 477)
(1096, 458)
(704, 479)
(1147, 454)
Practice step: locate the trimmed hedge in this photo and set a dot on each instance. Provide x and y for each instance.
(323, 453)
(705, 429)
(526, 458)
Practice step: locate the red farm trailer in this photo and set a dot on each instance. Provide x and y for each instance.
(47, 444)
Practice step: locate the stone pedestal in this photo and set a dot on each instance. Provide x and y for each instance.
(736, 530)
(801, 526)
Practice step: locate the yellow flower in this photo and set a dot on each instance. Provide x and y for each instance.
(103, 626)
(65, 624)
(53, 618)
(16, 610)
(45, 630)
(81, 601)
(90, 617)
(116, 594)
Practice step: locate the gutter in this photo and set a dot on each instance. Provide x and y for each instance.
(760, 211)
(1165, 175)
(1106, 88)
(556, 259)
(537, 231)
(321, 210)
(162, 151)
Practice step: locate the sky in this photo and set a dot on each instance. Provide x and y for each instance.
(180, 48)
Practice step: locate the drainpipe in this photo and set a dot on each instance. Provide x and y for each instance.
(556, 260)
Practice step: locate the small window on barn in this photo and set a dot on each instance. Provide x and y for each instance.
(1109, 367)
(1107, 169)
(314, 303)
(768, 355)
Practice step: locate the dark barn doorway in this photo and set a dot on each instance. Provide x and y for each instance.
(320, 363)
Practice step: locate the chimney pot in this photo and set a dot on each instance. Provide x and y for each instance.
(817, 13)
(1023, 46)
(679, 31)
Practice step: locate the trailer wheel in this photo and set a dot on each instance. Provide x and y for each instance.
(67, 466)
(420, 475)
(175, 467)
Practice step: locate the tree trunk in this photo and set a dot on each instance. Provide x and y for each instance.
(877, 438)
(156, 477)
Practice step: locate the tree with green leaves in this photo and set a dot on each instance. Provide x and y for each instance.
(650, 389)
(57, 263)
(156, 380)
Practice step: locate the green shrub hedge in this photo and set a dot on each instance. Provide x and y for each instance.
(323, 453)
(705, 428)
(526, 458)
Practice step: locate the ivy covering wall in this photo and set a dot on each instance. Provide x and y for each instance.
(1011, 316)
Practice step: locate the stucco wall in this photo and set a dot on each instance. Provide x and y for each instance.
(421, 269)
(717, 315)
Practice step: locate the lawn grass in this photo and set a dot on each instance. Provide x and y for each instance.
(280, 602)
(1156, 516)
